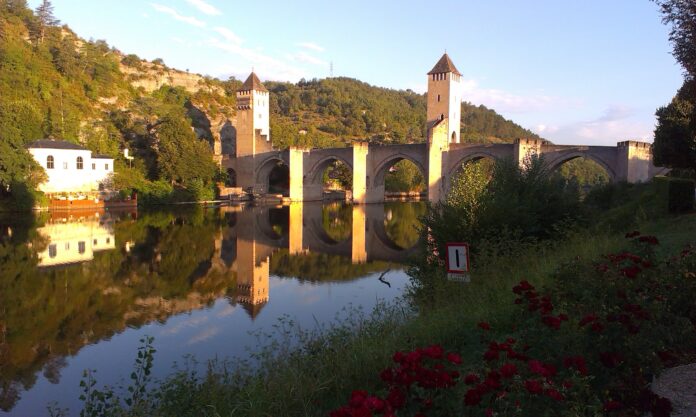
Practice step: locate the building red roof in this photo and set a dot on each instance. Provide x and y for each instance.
(444, 65)
(252, 83)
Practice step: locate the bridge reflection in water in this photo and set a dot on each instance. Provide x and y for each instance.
(254, 237)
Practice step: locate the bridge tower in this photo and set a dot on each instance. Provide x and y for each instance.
(445, 97)
(253, 132)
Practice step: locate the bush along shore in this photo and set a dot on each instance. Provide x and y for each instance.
(563, 316)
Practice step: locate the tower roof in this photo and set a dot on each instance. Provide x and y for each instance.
(252, 83)
(444, 65)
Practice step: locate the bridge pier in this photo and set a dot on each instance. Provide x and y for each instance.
(360, 178)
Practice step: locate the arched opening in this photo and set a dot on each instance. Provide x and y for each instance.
(469, 179)
(50, 162)
(80, 162)
(583, 172)
(272, 177)
(401, 179)
(231, 180)
(402, 222)
(337, 221)
(334, 177)
(454, 137)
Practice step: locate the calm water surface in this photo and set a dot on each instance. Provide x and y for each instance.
(79, 290)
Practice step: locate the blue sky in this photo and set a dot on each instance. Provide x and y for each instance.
(590, 71)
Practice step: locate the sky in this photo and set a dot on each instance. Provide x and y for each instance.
(576, 72)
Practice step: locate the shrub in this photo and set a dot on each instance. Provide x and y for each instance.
(518, 204)
(680, 195)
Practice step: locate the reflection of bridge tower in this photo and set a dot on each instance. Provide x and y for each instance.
(252, 266)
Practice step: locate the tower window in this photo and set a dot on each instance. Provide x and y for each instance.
(438, 98)
(80, 162)
(49, 162)
(65, 165)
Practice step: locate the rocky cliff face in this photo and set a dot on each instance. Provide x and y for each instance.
(151, 77)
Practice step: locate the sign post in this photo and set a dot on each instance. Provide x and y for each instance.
(458, 262)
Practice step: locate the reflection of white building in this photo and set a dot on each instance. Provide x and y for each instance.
(70, 167)
(75, 241)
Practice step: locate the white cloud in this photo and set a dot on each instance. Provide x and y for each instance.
(204, 335)
(617, 123)
(265, 65)
(311, 45)
(307, 58)
(176, 15)
(204, 7)
(506, 102)
(228, 35)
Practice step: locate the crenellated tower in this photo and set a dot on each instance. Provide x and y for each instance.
(253, 132)
(445, 98)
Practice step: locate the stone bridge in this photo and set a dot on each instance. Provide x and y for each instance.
(438, 157)
(628, 161)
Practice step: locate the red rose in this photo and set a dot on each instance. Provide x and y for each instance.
(484, 325)
(472, 397)
(396, 398)
(533, 386)
(471, 379)
(454, 358)
(508, 370)
(555, 394)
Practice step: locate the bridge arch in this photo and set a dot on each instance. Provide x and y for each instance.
(386, 163)
(265, 168)
(315, 173)
(456, 168)
(556, 161)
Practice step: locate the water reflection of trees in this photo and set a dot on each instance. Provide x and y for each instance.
(48, 314)
(321, 267)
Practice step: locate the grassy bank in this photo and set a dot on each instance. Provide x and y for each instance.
(310, 372)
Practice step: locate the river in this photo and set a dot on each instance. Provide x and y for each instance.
(79, 290)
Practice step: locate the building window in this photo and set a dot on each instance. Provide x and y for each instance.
(65, 165)
(52, 250)
(438, 98)
(94, 242)
(94, 166)
(67, 245)
(49, 162)
(80, 163)
(81, 247)
(106, 167)
(108, 240)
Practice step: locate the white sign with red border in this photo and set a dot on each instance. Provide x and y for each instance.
(457, 261)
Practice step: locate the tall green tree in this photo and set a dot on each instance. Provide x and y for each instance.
(675, 134)
(681, 14)
(182, 158)
(44, 19)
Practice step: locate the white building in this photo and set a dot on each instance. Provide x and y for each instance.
(71, 168)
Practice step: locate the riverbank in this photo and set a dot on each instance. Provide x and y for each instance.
(319, 375)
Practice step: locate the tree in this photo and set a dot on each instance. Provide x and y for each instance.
(681, 14)
(182, 158)
(44, 19)
(675, 134)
